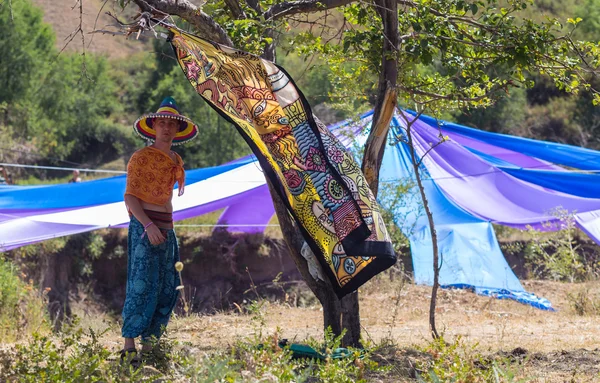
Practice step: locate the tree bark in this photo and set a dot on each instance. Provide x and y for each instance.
(386, 94)
(375, 146)
(270, 52)
(205, 24)
(236, 9)
(288, 8)
(351, 320)
(322, 289)
(380, 126)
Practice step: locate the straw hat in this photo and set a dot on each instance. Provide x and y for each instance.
(188, 130)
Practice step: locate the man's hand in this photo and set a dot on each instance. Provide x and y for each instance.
(155, 236)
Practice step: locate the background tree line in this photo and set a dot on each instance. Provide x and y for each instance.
(76, 110)
(70, 109)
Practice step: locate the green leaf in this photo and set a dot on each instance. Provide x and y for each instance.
(426, 58)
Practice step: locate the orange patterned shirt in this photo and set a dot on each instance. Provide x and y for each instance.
(151, 175)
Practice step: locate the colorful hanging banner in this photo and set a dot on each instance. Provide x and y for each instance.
(320, 183)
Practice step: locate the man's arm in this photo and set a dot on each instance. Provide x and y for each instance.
(135, 207)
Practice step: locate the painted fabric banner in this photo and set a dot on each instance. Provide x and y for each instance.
(320, 183)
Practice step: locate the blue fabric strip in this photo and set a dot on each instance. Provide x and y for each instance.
(91, 193)
(519, 296)
(562, 154)
(585, 185)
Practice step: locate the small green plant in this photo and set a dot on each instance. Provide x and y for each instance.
(73, 355)
(22, 306)
(459, 362)
(258, 358)
(583, 303)
(556, 255)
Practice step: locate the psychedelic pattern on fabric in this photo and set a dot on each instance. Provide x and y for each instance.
(151, 175)
(317, 179)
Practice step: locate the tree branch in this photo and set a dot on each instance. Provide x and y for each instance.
(452, 97)
(236, 9)
(435, 12)
(254, 4)
(287, 8)
(205, 24)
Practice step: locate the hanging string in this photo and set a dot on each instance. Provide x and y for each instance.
(62, 168)
(27, 153)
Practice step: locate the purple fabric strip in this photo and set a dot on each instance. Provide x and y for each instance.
(486, 191)
(472, 183)
(36, 232)
(518, 159)
(201, 209)
(250, 212)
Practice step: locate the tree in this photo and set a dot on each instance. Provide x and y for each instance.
(439, 54)
(25, 43)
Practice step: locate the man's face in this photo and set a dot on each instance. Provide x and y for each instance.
(166, 129)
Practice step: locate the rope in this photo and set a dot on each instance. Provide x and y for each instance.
(39, 156)
(62, 168)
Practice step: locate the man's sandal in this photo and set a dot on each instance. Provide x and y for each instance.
(130, 356)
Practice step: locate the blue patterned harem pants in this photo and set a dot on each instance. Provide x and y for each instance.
(151, 282)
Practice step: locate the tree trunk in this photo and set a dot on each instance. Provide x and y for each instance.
(351, 320)
(436, 266)
(55, 275)
(332, 306)
(270, 53)
(386, 94)
(375, 146)
(322, 289)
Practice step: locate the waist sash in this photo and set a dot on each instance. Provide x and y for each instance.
(161, 219)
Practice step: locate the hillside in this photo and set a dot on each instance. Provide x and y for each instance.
(63, 15)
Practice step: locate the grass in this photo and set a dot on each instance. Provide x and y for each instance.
(479, 333)
(484, 341)
(460, 362)
(22, 307)
(78, 355)
(75, 355)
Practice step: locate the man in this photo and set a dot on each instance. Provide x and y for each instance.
(75, 177)
(152, 250)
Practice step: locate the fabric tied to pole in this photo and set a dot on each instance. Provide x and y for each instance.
(320, 183)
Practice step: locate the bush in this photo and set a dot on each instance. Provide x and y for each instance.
(556, 255)
(22, 307)
(75, 356)
(584, 303)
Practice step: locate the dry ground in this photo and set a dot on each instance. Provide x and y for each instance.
(556, 346)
